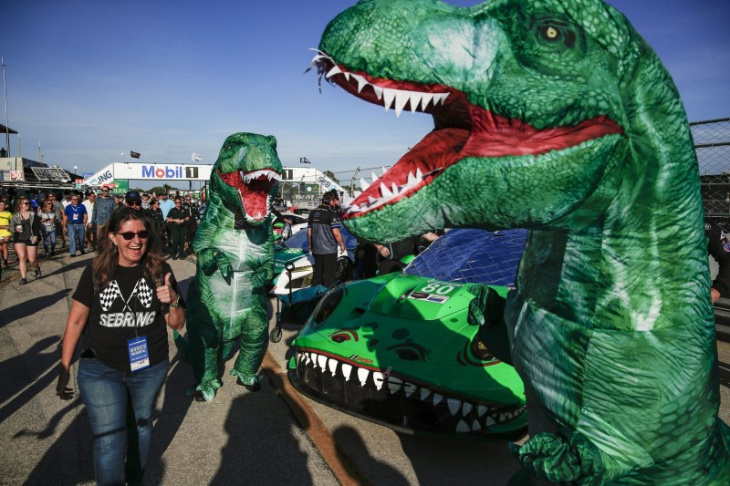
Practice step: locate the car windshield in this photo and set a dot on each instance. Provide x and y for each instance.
(472, 256)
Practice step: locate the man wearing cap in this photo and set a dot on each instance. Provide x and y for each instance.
(133, 200)
(75, 220)
(104, 206)
(324, 239)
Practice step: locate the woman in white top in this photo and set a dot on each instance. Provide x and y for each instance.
(49, 220)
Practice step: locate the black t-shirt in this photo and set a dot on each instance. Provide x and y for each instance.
(126, 308)
(177, 213)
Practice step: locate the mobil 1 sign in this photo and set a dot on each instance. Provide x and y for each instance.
(158, 172)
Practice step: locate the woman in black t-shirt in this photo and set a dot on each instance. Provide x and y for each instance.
(124, 302)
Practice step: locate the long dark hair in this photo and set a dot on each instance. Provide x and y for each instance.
(105, 263)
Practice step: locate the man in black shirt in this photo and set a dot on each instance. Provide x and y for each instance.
(324, 239)
(177, 220)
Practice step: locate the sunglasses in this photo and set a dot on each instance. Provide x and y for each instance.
(134, 203)
(129, 235)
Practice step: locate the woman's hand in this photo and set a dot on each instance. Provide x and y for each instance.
(62, 389)
(165, 294)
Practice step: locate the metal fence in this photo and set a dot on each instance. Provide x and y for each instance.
(712, 144)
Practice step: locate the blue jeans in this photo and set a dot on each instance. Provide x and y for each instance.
(108, 395)
(75, 230)
(49, 239)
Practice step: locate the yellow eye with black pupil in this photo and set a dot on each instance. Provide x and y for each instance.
(551, 33)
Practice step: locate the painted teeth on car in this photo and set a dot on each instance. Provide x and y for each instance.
(450, 413)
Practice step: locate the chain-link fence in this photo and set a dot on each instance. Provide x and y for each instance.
(712, 144)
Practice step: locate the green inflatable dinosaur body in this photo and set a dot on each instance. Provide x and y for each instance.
(235, 251)
(556, 116)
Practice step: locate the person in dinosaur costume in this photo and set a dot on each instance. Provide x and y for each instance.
(556, 116)
(235, 251)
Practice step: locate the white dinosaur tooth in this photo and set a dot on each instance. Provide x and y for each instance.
(332, 365)
(314, 357)
(410, 389)
(361, 82)
(354, 208)
(394, 189)
(335, 70)
(412, 180)
(427, 97)
(419, 173)
(375, 178)
(462, 427)
(322, 361)
(378, 91)
(475, 426)
(383, 170)
(454, 405)
(362, 375)
(466, 408)
(300, 357)
(416, 97)
(385, 191)
(347, 75)
(346, 370)
(440, 98)
(425, 392)
(363, 184)
(372, 200)
(490, 421)
(401, 98)
(481, 410)
(437, 399)
(388, 98)
(378, 379)
(394, 384)
(502, 418)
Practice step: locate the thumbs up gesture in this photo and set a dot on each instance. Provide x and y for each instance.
(165, 294)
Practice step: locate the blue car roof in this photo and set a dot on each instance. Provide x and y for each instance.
(472, 256)
(299, 240)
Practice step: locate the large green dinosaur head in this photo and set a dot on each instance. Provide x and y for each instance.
(246, 175)
(542, 109)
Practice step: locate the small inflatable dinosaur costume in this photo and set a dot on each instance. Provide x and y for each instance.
(556, 116)
(235, 251)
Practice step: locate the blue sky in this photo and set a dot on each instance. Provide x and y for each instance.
(91, 80)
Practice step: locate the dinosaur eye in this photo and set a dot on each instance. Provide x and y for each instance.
(556, 32)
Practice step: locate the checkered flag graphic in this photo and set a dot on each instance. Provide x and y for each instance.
(109, 295)
(144, 293)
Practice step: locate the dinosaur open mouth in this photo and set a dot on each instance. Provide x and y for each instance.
(254, 189)
(461, 130)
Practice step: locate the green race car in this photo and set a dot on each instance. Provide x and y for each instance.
(399, 349)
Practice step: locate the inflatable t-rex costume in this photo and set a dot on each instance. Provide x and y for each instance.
(555, 115)
(235, 251)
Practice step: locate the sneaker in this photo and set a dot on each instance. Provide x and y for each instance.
(23, 281)
(38, 273)
(82, 252)
(72, 255)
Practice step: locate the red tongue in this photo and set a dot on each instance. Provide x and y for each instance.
(438, 150)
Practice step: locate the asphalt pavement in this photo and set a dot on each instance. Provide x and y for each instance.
(274, 436)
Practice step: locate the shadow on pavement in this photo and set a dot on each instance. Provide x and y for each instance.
(30, 307)
(347, 438)
(36, 366)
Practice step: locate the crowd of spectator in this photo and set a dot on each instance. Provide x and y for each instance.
(55, 221)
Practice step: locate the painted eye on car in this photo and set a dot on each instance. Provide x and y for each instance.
(410, 351)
